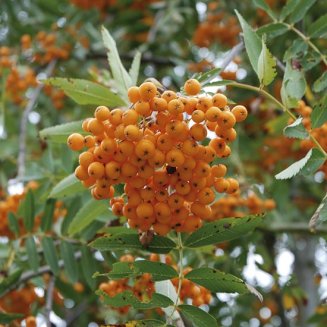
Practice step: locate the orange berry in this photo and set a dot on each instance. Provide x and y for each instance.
(221, 185)
(169, 95)
(175, 106)
(240, 113)
(175, 158)
(142, 108)
(132, 133)
(102, 113)
(75, 141)
(161, 229)
(198, 132)
(198, 116)
(96, 170)
(113, 170)
(192, 87)
(147, 91)
(212, 114)
(85, 159)
(130, 117)
(226, 120)
(144, 211)
(81, 173)
(219, 170)
(233, 186)
(206, 196)
(30, 321)
(219, 100)
(133, 94)
(159, 104)
(144, 149)
(95, 127)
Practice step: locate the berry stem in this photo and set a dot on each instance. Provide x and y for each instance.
(279, 104)
(180, 272)
(307, 40)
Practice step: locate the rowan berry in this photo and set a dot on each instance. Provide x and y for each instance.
(102, 113)
(147, 91)
(192, 87)
(133, 94)
(75, 141)
(240, 113)
(219, 100)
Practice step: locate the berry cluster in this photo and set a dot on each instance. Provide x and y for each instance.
(45, 48)
(155, 149)
(142, 288)
(234, 206)
(10, 204)
(217, 27)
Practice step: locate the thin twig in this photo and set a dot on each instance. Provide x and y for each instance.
(23, 124)
(235, 51)
(26, 276)
(49, 300)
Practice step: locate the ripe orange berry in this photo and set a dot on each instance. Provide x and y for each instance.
(89, 141)
(147, 91)
(175, 158)
(233, 186)
(198, 132)
(142, 108)
(161, 229)
(144, 211)
(130, 117)
(226, 120)
(240, 113)
(169, 95)
(133, 94)
(219, 100)
(159, 104)
(212, 114)
(221, 185)
(206, 196)
(145, 149)
(198, 116)
(132, 133)
(112, 170)
(95, 127)
(218, 145)
(102, 113)
(81, 173)
(96, 170)
(85, 159)
(219, 170)
(192, 87)
(75, 141)
(175, 106)
(116, 116)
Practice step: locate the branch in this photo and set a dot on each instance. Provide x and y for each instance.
(296, 228)
(26, 276)
(23, 124)
(49, 300)
(235, 51)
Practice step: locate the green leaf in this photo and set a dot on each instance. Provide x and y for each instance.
(13, 223)
(197, 316)
(135, 68)
(296, 130)
(217, 281)
(293, 86)
(60, 133)
(319, 113)
(265, 7)
(266, 65)
(316, 160)
(321, 83)
(252, 42)
(113, 230)
(33, 257)
(9, 281)
(70, 264)
(300, 10)
(159, 244)
(29, 211)
(50, 254)
(70, 185)
(87, 214)
(122, 79)
(203, 78)
(159, 271)
(223, 230)
(318, 28)
(295, 168)
(166, 288)
(297, 50)
(6, 318)
(272, 30)
(88, 266)
(47, 217)
(219, 83)
(86, 92)
(288, 9)
(128, 298)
